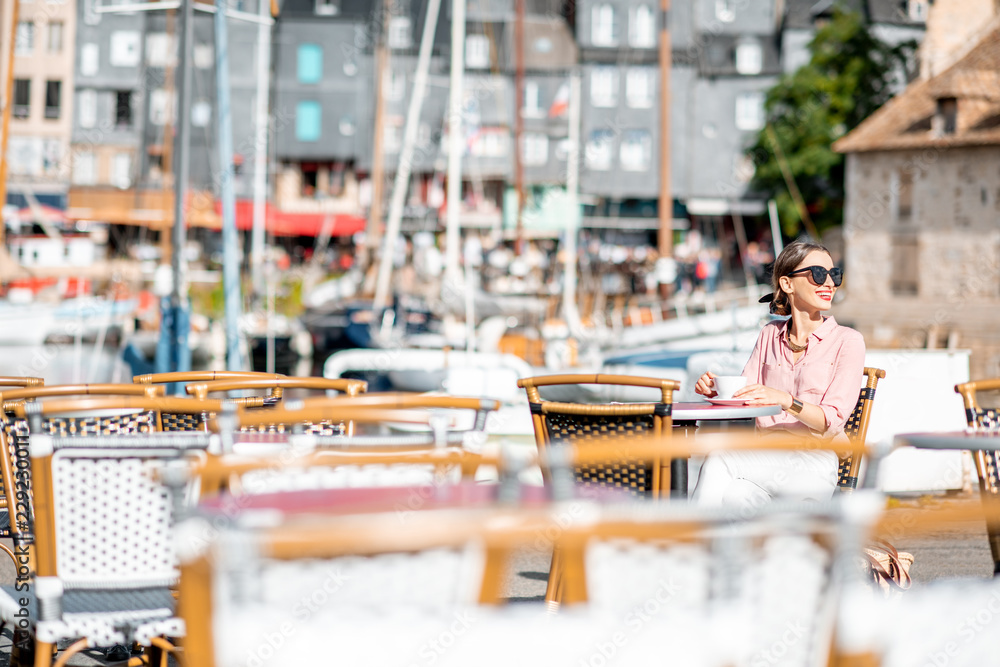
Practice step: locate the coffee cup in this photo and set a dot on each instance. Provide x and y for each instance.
(727, 385)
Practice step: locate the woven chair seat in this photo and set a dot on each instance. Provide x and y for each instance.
(344, 477)
(955, 616)
(100, 615)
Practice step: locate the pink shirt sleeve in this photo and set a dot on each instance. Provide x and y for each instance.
(752, 371)
(839, 400)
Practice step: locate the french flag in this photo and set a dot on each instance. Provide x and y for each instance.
(560, 105)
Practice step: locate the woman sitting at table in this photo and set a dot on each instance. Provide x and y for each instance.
(811, 367)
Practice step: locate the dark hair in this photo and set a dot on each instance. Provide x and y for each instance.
(787, 261)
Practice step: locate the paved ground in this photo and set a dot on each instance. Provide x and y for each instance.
(959, 551)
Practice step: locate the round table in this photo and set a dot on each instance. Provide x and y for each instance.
(686, 417)
(974, 440)
(986, 445)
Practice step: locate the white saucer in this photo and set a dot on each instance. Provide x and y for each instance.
(727, 401)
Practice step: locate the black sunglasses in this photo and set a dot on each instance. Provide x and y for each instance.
(820, 273)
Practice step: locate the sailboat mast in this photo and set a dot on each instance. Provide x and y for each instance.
(374, 226)
(173, 352)
(456, 144)
(8, 105)
(260, 150)
(665, 237)
(519, 121)
(230, 242)
(405, 164)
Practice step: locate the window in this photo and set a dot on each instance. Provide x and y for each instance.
(399, 32)
(490, 142)
(599, 150)
(24, 41)
(905, 279)
(749, 58)
(947, 115)
(121, 170)
(53, 99)
(90, 55)
(86, 104)
(124, 48)
(641, 27)
(84, 168)
(534, 149)
(395, 85)
(22, 98)
(123, 109)
(392, 134)
(203, 56)
(310, 63)
(55, 36)
(749, 111)
(161, 107)
(639, 87)
(604, 86)
(636, 151)
(725, 10)
(904, 196)
(52, 151)
(602, 25)
(308, 121)
(531, 108)
(477, 52)
(161, 50)
(201, 113)
(326, 8)
(917, 10)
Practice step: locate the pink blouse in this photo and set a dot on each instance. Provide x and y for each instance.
(828, 374)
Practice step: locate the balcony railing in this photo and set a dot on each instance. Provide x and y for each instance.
(22, 111)
(52, 113)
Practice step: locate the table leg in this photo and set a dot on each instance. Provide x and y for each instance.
(679, 467)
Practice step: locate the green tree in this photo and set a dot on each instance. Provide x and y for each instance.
(849, 75)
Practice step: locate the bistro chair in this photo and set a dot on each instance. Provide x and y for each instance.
(987, 462)
(102, 518)
(856, 430)
(558, 422)
(380, 589)
(290, 455)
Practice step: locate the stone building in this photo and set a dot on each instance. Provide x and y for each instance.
(922, 217)
(41, 117)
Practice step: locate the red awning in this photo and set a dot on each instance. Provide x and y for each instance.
(283, 223)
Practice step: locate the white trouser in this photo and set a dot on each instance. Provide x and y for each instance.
(754, 478)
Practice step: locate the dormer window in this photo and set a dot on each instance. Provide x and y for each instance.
(916, 10)
(946, 118)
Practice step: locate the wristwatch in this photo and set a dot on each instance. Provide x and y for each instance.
(796, 406)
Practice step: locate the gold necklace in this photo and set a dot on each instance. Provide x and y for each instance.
(795, 348)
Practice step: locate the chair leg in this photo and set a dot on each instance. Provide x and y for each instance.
(22, 649)
(44, 653)
(552, 590)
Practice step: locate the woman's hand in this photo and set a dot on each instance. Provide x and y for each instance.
(705, 385)
(758, 394)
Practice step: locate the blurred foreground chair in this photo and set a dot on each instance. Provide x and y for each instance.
(103, 548)
(987, 462)
(856, 430)
(288, 456)
(581, 423)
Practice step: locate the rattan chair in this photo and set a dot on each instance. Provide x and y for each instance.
(856, 430)
(559, 422)
(371, 575)
(290, 454)
(987, 462)
(103, 549)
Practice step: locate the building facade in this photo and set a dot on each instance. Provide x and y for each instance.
(42, 102)
(922, 217)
